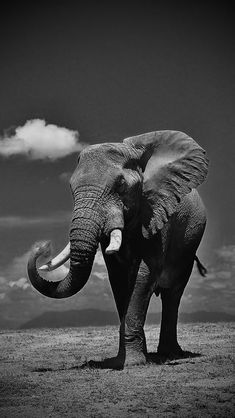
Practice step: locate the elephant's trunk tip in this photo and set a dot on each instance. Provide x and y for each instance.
(58, 260)
(41, 248)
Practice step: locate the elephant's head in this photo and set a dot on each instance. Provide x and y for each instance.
(121, 185)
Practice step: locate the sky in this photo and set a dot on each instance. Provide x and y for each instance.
(73, 75)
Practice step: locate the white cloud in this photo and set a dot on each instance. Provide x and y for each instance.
(218, 285)
(226, 254)
(22, 283)
(101, 275)
(23, 221)
(37, 140)
(99, 260)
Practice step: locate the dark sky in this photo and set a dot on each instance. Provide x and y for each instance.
(110, 71)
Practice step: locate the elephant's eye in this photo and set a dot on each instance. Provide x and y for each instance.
(121, 185)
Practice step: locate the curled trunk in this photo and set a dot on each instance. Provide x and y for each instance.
(69, 286)
(84, 238)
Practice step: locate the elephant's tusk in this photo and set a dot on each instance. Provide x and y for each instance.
(115, 242)
(58, 260)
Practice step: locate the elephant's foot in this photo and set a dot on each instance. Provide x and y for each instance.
(170, 350)
(132, 346)
(134, 358)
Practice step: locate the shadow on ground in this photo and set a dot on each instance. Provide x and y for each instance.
(114, 363)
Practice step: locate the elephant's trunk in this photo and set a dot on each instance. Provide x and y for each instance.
(64, 255)
(84, 240)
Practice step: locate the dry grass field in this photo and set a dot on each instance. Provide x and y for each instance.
(45, 373)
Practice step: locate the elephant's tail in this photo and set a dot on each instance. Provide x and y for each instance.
(202, 270)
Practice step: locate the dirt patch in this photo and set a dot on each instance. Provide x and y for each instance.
(45, 373)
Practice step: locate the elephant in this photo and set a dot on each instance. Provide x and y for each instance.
(137, 199)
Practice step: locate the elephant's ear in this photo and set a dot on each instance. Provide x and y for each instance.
(173, 164)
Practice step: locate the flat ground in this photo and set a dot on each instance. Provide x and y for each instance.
(45, 373)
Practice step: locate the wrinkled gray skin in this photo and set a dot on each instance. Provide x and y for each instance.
(146, 187)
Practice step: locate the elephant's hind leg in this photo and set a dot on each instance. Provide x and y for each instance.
(168, 343)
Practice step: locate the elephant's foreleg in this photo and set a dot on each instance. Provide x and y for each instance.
(132, 337)
(168, 343)
(121, 277)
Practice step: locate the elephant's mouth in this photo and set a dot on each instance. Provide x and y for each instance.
(64, 255)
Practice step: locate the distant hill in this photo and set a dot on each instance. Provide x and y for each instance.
(95, 317)
(8, 324)
(73, 318)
